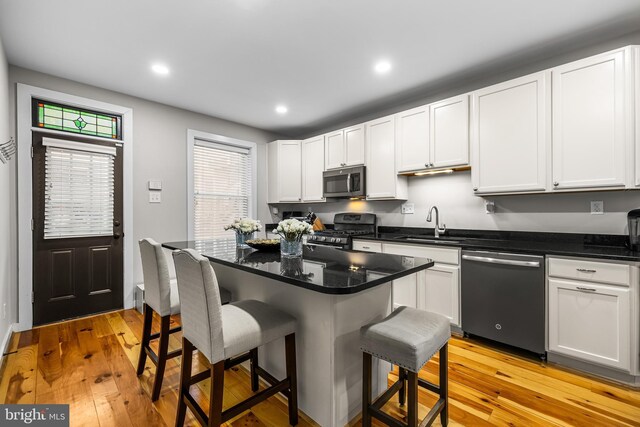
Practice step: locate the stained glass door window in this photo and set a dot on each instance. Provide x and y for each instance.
(65, 118)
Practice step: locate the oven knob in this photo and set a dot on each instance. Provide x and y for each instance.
(323, 238)
(334, 240)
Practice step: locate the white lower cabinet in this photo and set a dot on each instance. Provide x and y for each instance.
(593, 311)
(590, 321)
(436, 289)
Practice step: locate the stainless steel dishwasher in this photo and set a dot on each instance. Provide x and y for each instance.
(503, 298)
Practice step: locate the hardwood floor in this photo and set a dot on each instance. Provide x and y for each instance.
(90, 364)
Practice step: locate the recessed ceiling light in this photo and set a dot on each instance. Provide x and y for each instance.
(281, 109)
(160, 69)
(382, 67)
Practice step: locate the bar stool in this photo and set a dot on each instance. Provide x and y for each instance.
(161, 296)
(408, 338)
(223, 332)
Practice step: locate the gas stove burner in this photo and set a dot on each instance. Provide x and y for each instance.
(346, 226)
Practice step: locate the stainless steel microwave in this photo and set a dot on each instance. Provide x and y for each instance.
(344, 183)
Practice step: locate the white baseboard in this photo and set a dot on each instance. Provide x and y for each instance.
(5, 342)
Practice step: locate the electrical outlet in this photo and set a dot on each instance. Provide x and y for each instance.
(155, 197)
(597, 207)
(274, 210)
(408, 261)
(489, 207)
(408, 208)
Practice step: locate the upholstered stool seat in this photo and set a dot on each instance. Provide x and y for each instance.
(407, 338)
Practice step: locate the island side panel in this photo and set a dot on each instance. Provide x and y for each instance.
(314, 334)
(350, 313)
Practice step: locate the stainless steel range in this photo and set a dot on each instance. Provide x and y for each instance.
(345, 227)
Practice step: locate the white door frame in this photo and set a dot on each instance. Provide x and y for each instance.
(25, 243)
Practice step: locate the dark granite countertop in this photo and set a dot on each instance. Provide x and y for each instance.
(321, 269)
(610, 247)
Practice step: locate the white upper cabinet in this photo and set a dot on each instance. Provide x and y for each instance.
(449, 132)
(354, 145)
(434, 136)
(382, 179)
(510, 136)
(284, 171)
(313, 152)
(344, 147)
(412, 139)
(636, 68)
(334, 150)
(590, 119)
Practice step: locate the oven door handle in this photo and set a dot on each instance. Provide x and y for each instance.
(532, 264)
(324, 246)
(348, 183)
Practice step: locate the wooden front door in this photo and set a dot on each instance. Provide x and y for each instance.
(77, 228)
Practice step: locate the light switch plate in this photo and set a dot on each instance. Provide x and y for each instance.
(597, 207)
(155, 197)
(408, 208)
(155, 184)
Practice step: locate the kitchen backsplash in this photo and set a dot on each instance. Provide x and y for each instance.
(459, 208)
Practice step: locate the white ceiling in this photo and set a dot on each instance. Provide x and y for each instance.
(238, 59)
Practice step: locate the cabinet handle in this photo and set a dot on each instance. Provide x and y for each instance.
(426, 165)
(580, 288)
(366, 247)
(585, 270)
(475, 188)
(556, 183)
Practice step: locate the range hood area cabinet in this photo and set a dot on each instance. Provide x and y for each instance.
(344, 148)
(569, 128)
(294, 170)
(383, 182)
(433, 136)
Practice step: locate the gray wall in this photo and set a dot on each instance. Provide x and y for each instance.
(159, 152)
(459, 208)
(7, 267)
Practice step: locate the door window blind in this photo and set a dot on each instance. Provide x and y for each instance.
(222, 188)
(79, 193)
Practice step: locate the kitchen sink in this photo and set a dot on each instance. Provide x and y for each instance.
(430, 239)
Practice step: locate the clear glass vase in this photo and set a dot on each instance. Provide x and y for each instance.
(291, 248)
(241, 240)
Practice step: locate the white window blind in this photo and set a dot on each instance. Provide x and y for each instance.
(221, 188)
(79, 193)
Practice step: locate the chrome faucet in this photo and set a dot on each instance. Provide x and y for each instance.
(437, 229)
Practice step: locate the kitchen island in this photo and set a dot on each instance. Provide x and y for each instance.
(332, 293)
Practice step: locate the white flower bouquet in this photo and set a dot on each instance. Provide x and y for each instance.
(292, 230)
(244, 225)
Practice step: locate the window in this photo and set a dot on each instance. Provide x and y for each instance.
(222, 184)
(79, 189)
(65, 118)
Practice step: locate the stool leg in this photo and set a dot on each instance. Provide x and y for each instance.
(366, 389)
(444, 384)
(163, 348)
(255, 384)
(402, 376)
(185, 377)
(217, 388)
(412, 410)
(290, 352)
(146, 332)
